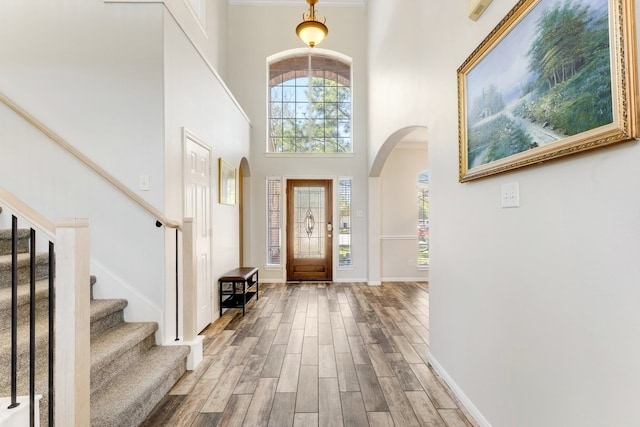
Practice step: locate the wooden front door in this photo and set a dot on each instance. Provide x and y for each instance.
(309, 230)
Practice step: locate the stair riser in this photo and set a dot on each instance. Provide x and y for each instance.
(42, 354)
(100, 377)
(106, 323)
(22, 241)
(136, 414)
(24, 272)
(24, 310)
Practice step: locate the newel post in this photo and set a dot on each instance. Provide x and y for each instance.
(189, 303)
(72, 324)
(190, 335)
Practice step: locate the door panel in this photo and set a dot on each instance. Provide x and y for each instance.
(309, 230)
(197, 205)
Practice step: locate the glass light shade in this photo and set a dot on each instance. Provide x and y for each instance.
(312, 32)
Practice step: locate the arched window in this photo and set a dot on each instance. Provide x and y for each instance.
(309, 105)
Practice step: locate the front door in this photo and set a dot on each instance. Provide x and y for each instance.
(197, 206)
(309, 230)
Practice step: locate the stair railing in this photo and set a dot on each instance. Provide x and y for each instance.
(66, 404)
(189, 294)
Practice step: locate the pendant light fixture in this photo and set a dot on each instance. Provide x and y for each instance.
(312, 30)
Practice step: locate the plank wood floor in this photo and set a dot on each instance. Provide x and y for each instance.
(317, 354)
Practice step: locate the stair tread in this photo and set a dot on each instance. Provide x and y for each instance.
(111, 344)
(42, 291)
(110, 404)
(23, 233)
(101, 308)
(23, 258)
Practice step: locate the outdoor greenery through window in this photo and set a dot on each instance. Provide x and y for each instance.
(274, 232)
(344, 201)
(423, 219)
(309, 105)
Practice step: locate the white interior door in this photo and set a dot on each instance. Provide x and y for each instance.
(198, 206)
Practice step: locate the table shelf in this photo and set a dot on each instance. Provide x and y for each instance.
(236, 288)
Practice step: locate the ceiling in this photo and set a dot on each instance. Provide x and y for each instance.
(296, 3)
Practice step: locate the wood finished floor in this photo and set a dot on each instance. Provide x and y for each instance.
(317, 354)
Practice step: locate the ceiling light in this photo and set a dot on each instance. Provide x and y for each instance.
(311, 30)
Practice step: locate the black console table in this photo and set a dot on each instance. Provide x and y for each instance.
(236, 288)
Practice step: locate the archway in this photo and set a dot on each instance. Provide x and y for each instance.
(411, 137)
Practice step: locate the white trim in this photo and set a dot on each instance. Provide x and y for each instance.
(464, 400)
(299, 51)
(374, 283)
(333, 3)
(314, 155)
(350, 281)
(398, 237)
(166, 3)
(404, 279)
(200, 20)
(195, 354)
(272, 280)
(139, 307)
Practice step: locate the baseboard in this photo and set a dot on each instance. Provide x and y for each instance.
(195, 355)
(406, 279)
(464, 400)
(374, 283)
(139, 308)
(350, 280)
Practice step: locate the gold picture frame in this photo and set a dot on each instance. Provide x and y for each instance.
(553, 78)
(227, 183)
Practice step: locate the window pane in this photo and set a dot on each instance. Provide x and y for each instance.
(320, 104)
(273, 221)
(423, 219)
(344, 225)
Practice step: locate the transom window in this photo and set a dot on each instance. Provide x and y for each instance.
(309, 105)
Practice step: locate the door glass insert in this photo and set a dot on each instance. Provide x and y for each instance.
(310, 228)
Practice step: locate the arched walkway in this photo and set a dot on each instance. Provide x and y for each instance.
(407, 135)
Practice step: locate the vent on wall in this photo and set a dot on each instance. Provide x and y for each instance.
(477, 7)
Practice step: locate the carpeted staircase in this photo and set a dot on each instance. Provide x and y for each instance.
(130, 374)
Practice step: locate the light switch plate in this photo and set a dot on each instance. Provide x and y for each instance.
(510, 196)
(144, 184)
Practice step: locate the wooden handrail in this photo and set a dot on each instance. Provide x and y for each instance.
(27, 213)
(90, 163)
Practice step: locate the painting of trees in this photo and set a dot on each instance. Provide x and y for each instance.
(564, 88)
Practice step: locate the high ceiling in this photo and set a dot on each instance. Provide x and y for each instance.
(296, 3)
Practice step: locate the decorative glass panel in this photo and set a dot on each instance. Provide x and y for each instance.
(423, 219)
(309, 219)
(273, 221)
(344, 226)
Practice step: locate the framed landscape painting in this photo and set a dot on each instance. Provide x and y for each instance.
(555, 77)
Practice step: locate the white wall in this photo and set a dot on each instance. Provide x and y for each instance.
(208, 34)
(256, 33)
(119, 81)
(399, 214)
(398, 76)
(92, 72)
(534, 310)
(197, 101)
